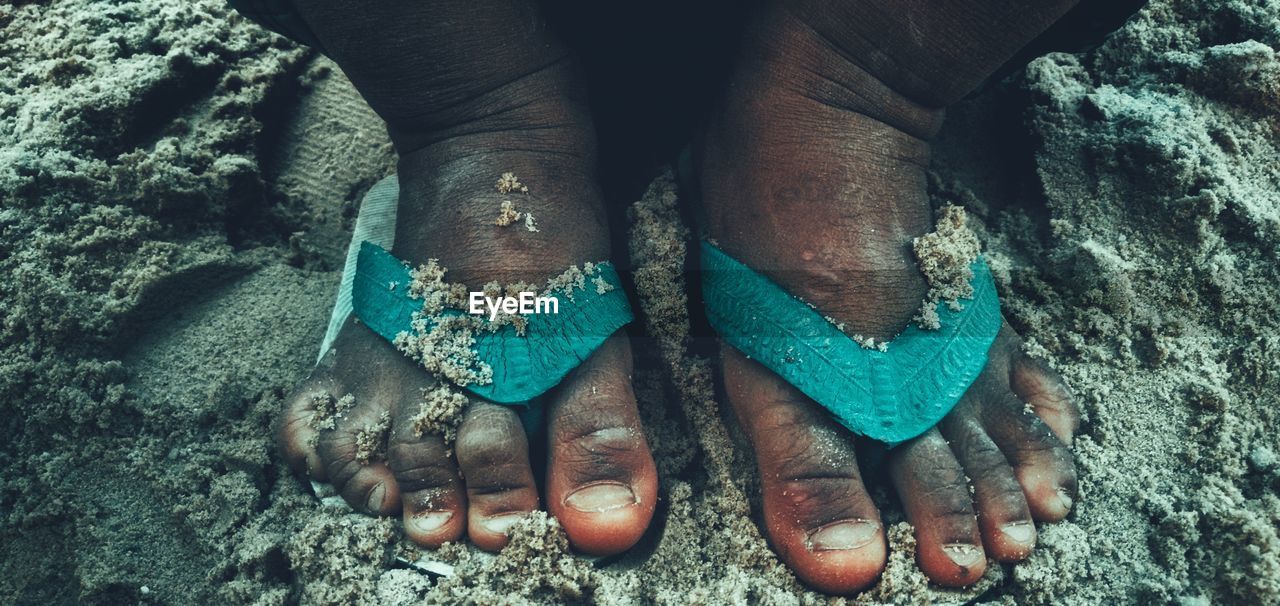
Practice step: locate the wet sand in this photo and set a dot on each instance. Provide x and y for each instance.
(177, 189)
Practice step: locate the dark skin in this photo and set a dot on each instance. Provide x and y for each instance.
(824, 131)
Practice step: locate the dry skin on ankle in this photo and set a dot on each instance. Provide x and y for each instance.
(371, 441)
(945, 256)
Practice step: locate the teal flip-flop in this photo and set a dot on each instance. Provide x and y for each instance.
(375, 287)
(891, 395)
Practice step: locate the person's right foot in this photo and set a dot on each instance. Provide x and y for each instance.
(813, 173)
(464, 106)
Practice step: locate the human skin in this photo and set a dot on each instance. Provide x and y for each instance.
(824, 131)
(469, 91)
(813, 172)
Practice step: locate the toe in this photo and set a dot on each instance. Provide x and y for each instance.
(935, 495)
(431, 492)
(353, 456)
(1041, 462)
(1039, 386)
(493, 455)
(602, 483)
(297, 435)
(1004, 519)
(817, 512)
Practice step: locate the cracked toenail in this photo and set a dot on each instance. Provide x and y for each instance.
(376, 496)
(601, 497)
(962, 554)
(842, 535)
(501, 524)
(428, 522)
(1019, 532)
(1065, 498)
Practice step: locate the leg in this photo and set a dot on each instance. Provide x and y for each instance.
(471, 90)
(825, 131)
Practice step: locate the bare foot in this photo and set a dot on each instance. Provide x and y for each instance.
(813, 173)
(510, 103)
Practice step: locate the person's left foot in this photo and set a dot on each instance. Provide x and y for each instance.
(825, 197)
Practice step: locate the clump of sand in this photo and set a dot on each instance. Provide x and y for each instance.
(508, 183)
(445, 347)
(444, 344)
(329, 410)
(440, 413)
(371, 440)
(507, 213)
(945, 256)
(536, 567)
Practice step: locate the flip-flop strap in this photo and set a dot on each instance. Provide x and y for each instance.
(524, 366)
(891, 395)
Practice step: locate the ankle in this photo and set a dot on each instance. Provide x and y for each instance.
(543, 110)
(450, 204)
(783, 53)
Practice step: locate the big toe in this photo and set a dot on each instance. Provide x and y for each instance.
(817, 512)
(602, 483)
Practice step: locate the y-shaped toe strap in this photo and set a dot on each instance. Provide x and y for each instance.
(892, 395)
(524, 366)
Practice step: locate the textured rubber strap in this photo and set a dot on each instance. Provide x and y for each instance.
(524, 366)
(892, 395)
(376, 223)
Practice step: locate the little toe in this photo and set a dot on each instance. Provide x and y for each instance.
(1041, 387)
(297, 435)
(1042, 464)
(493, 455)
(935, 495)
(354, 459)
(1004, 519)
(817, 512)
(431, 491)
(602, 484)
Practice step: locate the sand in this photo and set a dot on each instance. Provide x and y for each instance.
(177, 189)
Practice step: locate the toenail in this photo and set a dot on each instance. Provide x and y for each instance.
(430, 521)
(962, 554)
(313, 465)
(601, 497)
(376, 496)
(501, 524)
(1065, 498)
(842, 535)
(1019, 532)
